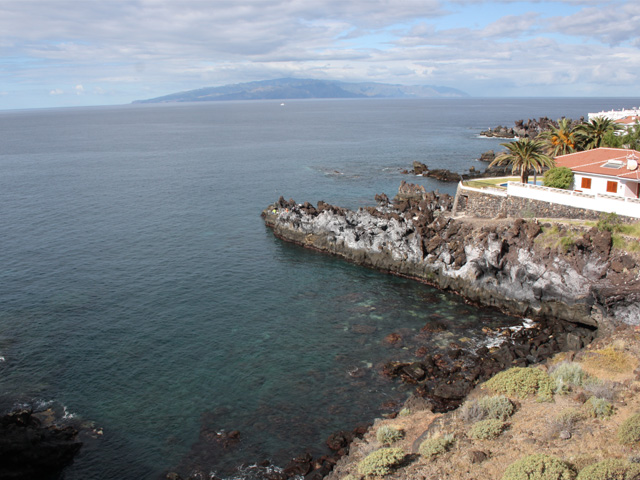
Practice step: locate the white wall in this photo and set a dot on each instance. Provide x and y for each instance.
(629, 207)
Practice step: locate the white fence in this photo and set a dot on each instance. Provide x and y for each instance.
(599, 202)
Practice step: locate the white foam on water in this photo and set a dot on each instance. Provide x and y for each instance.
(67, 414)
(495, 340)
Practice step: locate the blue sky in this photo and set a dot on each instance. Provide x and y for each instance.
(104, 52)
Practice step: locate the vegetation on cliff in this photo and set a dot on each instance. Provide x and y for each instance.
(557, 439)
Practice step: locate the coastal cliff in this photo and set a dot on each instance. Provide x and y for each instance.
(522, 267)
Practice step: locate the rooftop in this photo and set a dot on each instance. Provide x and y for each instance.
(630, 120)
(613, 162)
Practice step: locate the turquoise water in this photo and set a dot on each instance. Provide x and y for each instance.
(141, 291)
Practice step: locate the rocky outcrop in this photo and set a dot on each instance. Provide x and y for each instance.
(31, 450)
(443, 379)
(529, 129)
(519, 266)
(444, 175)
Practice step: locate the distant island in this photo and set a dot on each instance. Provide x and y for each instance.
(292, 88)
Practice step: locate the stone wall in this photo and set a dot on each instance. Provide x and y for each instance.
(485, 205)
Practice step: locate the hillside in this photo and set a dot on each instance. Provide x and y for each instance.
(292, 88)
(588, 417)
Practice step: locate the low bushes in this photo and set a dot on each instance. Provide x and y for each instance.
(598, 407)
(539, 467)
(387, 435)
(611, 469)
(567, 419)
(629, 431)
(381, 462)
(433, 447)
(497, 407)
(568, 374)
(487, 429)
(522, 382)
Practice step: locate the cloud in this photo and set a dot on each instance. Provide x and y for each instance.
(142, 48)
(56, 91)
(611, 26)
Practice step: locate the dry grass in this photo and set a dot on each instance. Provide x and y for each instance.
(610, 363)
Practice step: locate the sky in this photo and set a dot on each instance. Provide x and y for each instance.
(57, 53)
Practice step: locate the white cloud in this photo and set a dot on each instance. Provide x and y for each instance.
(79, 90)
(56, 91)
(154, 47)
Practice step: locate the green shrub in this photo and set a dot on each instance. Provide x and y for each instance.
(487, 429)
(568, 374)
(498, 407)
(433, 447)
(539, 467)
(598, 407)
(629, 431)
(609, 222)
(610, 469)
(558, 177)
(522, 382)
(380, 462)
(388, 435)
(404, 412)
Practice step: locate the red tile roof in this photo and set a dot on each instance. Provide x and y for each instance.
(592, 161)
(631, 120)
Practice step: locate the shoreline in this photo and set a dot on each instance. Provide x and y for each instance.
(299, 224)
(516, 266)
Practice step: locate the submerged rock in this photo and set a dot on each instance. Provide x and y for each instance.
(31, 450)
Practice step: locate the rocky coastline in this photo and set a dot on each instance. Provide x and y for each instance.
(509, 264)
(529, 129)
(573, 291)
(445, 175)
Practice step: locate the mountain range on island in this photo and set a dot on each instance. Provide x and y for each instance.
(296, 88)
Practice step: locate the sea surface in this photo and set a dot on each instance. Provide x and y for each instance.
(141, 294)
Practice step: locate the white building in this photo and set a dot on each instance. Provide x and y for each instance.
(616, 114)
(611, 171)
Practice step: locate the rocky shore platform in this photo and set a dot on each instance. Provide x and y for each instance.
(524, 267)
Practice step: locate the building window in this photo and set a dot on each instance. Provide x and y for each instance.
(586, 183)
(612, 187)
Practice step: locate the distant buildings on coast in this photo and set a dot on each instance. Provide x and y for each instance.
(616, 114)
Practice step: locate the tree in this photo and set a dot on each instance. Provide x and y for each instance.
(558, 177)
(524, 155)
(631, 139)
(592, 134)
(560, 140)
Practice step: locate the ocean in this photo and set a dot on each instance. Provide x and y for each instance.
(142, 295)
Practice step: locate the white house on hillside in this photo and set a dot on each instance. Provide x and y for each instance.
(626, 123)
(616, 114)
(611, 171)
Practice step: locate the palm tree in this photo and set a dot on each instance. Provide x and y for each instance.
(592, 134)
(560, 140)
(524, 155)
